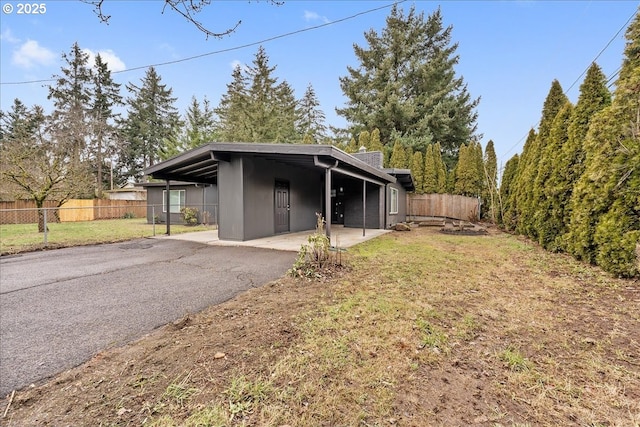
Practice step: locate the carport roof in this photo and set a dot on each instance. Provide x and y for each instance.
(201, 164)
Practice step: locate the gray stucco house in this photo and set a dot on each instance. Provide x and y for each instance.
(268, 189)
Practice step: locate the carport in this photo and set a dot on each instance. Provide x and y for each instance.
(269, 189)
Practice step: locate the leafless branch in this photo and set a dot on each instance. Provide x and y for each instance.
(187, 8)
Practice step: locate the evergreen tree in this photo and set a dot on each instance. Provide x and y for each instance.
(104, 139)
(489, 194)
(406, 83)
(507, 214)
(288, 114)
(200, 128)
(569, 164)
(70, 121)
(530, 160)
(364, 139)
(352, 146)
(375, 143)
(430, 179)
(262, 117)
(231, 112)
(440, 168)
(312, 118)
(549, 202)
(399, 156)
(152, 119)
(256, 108)
(605, 217)
(417, 171)
(469, 176)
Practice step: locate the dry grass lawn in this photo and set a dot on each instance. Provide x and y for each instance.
(420, 329)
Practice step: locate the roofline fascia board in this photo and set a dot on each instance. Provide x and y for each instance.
(306, 149)
(358, 176)
(180, 158)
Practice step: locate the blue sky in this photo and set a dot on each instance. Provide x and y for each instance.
(510, 51)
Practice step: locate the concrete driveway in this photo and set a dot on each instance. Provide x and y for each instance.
(58, 308)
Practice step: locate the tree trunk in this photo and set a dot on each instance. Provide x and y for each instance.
(41, 225)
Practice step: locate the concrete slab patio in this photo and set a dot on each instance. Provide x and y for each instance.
(342, 237)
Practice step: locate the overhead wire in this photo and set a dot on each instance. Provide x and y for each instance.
(610, 79)
(216, 52)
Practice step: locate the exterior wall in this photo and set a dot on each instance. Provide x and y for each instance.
(231, 199)
(305, 196)
(401, 216)
(202, 197)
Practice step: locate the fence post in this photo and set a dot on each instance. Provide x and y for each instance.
(153, 218)
(45, 225)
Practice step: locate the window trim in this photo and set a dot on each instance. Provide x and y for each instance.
(393, 201)
(173, 208)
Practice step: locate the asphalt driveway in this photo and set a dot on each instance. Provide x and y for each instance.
(58, 308)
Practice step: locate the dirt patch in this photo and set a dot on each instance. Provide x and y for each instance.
(422, 329)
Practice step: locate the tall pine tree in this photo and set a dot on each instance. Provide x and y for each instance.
(312, 119)
(70, 119)
(152, 119)
(199, 129)
(406, 83)
(103, 118)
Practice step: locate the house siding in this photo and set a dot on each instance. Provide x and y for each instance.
(201, 197)
(230, 195)
(246, 197)
(401, 216)
(305, 199)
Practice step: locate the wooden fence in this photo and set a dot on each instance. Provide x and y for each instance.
(25, 211)
(442, 205)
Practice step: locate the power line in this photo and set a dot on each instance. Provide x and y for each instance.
(216, 52)
(615, 73)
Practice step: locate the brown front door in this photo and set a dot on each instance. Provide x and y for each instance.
(282, 206)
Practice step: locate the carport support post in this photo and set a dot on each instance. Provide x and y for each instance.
(327, 201)
(167, 203)
(364, 207)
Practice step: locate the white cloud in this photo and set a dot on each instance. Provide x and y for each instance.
(8, 36)
(313, 16)
(113, 62)
(31, 54)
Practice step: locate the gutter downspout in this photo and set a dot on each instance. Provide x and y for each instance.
(327, 191)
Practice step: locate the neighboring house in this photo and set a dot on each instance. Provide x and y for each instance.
(203, 197)
(268, 189)
(130, 192)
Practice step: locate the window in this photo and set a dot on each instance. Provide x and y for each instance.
(393, 203)
(176, 200)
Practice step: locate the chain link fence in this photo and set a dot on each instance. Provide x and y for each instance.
(81, 222)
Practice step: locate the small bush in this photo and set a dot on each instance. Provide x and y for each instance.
(129, 215)
(314, 256)
(190, 215)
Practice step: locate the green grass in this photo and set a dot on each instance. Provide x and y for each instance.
(15, 238)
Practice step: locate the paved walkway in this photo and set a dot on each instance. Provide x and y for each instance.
(342, 237)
